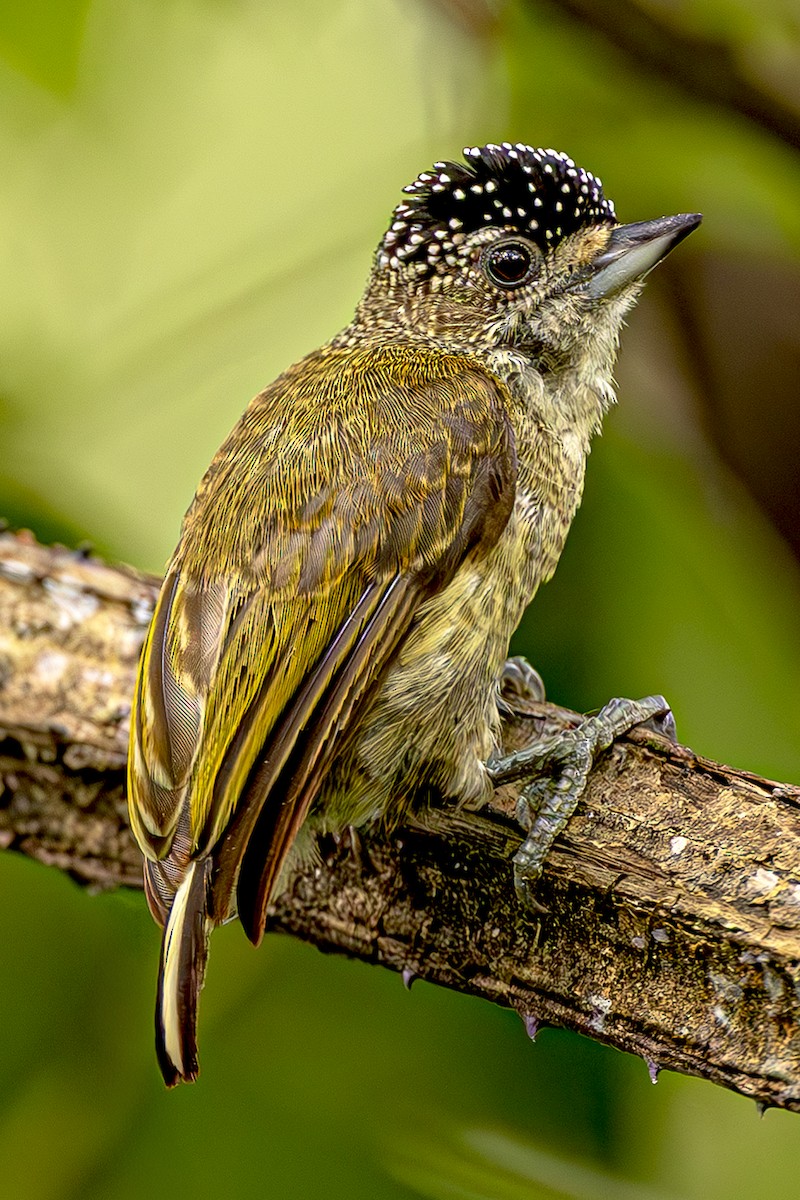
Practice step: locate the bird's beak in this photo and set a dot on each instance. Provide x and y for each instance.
(633, 251)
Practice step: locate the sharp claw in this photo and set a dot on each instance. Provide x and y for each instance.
(663, 723)
(525, 884)
(520, 681)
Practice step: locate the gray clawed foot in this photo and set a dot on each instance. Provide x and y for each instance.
(557, 770)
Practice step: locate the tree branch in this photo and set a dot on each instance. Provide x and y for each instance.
(672, 922)
(756, 79)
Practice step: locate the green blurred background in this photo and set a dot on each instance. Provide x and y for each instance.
(190, 193)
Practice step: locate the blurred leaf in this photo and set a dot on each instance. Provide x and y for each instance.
(42, 39)
(485, 1164)
(22, 508)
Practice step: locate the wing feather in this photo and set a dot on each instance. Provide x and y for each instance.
(262, 834)
(348, 492)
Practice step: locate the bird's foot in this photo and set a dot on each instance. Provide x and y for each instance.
(557, 769)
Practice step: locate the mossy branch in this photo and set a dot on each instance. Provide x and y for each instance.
(672, 904)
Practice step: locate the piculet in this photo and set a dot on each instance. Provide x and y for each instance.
(334, 622)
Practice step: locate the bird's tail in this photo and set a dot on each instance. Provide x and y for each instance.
(184, 950)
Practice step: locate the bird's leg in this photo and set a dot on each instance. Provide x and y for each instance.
(557, 768)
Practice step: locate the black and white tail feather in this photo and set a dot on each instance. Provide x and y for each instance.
(184, 951)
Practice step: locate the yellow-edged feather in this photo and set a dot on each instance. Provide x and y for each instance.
(353, 470)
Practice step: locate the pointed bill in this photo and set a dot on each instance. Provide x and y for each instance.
(633, 251)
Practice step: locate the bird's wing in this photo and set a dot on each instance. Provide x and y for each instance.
(350, 491)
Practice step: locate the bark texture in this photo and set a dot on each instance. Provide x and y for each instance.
(670, 922)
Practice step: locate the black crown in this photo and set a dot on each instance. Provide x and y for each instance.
(540, 194)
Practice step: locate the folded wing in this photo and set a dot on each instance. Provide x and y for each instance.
(350, 491)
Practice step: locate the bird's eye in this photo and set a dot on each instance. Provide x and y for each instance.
(509, 264)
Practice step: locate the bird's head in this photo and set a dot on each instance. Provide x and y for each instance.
(515, 249)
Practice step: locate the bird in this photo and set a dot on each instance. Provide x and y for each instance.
(331, 632)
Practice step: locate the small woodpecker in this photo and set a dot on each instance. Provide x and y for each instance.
(334, 622)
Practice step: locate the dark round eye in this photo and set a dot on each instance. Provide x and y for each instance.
(509, 264)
